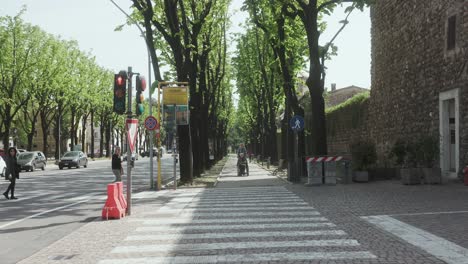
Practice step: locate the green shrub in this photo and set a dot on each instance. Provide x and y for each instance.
(363, 154)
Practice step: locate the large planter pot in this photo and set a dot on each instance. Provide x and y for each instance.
(410, 176)
(361, 176)
(431, 175)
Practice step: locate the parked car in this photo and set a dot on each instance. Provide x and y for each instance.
(147, 153)
(73, 159)
(134, 156)
(29, 161)
(2, 167)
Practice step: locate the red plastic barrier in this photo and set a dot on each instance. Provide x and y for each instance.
(122, 200)
(113, 208)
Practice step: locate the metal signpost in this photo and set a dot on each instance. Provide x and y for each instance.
(175, 95)
(297, 124)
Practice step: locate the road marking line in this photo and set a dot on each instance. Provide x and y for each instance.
(258, 204)
(434, 245)
(433, 213)
(244, 258)
(180, 236)
(246, 201)
(164, 228)
(226, 214)
(189, 220)
(228, 209)
(234, 245)
(39, 214)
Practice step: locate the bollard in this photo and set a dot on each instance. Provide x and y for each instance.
(343, 172)
(112, 207)
(268, 162)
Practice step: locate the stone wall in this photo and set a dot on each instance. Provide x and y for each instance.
(410, 67)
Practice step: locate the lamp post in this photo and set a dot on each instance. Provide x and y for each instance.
(149, 83)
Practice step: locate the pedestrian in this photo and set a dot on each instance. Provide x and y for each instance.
(117, 168)
(242, 150)
(12, 172)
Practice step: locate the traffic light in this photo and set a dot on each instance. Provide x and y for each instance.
(140, 85)
(120, 90)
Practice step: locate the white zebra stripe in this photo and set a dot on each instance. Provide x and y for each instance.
(179, 236)
(243, 214)
(234, 245)
(257, 204)
(304, 256)
(227, 220)
(171, 228)
(168, 210)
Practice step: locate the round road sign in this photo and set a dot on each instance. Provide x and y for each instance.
(151, 123)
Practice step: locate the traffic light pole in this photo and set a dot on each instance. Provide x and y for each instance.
(129, 152)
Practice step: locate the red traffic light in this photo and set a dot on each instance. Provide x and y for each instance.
(120, 80)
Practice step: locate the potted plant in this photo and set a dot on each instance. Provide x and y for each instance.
(363, 155)
(404, 154)
(427, 155)
(398, 155)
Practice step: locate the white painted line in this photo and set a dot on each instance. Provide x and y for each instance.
(249, 197)
(305, 256)
(434, 245)
(243, 194)
(234, 245)
(42, 213)
(170, 228)
(179, 236)
(243, 220)
(242, 214)
(433, 213)
(248, 201)
(257, 204)
(229, 209)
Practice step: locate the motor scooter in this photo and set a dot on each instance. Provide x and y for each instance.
(242, 165)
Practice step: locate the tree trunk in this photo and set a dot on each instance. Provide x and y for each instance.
(92, 134)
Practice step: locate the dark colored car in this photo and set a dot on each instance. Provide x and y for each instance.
(146, 153)
(73, 159)
(31, 160)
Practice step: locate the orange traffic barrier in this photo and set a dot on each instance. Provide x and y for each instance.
(113, 208)
(122, 200)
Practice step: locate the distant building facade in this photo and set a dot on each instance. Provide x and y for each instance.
(338, 96)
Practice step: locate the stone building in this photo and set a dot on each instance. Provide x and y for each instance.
(338, 96)
(420, 76)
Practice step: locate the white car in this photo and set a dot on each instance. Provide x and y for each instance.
(2, 167)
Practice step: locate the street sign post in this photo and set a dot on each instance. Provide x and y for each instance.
(297, 124)
(132, 128)
(151, 123)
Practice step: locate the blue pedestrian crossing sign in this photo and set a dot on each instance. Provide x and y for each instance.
(297, 123)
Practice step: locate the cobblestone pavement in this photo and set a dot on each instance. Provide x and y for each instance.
(263, 219)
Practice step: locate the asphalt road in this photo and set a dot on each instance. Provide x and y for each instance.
(53, 203)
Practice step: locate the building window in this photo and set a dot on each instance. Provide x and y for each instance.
(451, 32)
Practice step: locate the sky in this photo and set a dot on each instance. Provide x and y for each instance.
(92, 22)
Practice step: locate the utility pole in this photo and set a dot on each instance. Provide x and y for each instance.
(129, 152)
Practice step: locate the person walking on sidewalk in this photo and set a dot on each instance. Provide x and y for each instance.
(243, 150)
(12, 172)
(117, 168)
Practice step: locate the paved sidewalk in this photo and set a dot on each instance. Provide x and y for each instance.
(263, 219)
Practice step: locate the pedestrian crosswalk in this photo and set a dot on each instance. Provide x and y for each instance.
(234, 225)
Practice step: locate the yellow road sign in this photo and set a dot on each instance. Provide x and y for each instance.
(175, 95)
